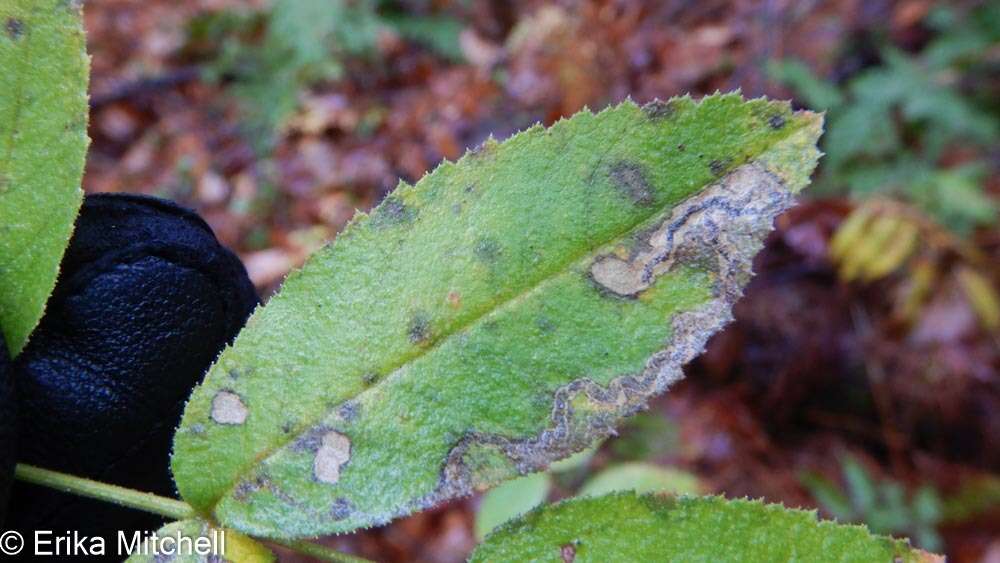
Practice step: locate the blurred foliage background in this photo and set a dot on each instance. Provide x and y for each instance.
(862, 374)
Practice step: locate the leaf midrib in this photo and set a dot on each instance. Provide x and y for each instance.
(517, 297)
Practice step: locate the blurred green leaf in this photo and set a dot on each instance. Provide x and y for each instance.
(642, 478)
(438, 33)
(860, 486)
(510, 500)
(956, 197)
(269, 58)
(647, 435)
(962, 39)
(860, 131)
(890, 125)
(303, 42)
(829, 496)
(883, 506)
(817, 93)
(575, 461)
(927, 504)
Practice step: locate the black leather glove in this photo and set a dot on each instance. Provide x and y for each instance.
(146, 300)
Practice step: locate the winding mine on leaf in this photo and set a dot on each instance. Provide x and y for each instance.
(506, 311)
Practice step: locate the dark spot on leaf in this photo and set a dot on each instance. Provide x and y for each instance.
(15, 28)
(681, 147)
(568, 553)
(419, 329)
(545, 324)
(78, 123)
(719, 167)
(369, 378)
(341, 509)
(310, 440)
(242, 491)
(658, 110)
(487, 250)
(630, 179)
(392, 212)
(776, 121)
(349, 411)
(245, 488)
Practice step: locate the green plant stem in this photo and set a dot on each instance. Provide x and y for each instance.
(320, 552)
(148, 502)
(122, 496)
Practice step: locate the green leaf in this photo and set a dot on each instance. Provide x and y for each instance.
(860, 485)
(575, 462)
(304, 42)
(956, 197)
(828, 496)
(510, 500)
(439, 33)
(861, 129)
(647, 435)
(626, 527)
(195, 541)
(43, 141)
(815, 91)
(505, 312)
(641, 478)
